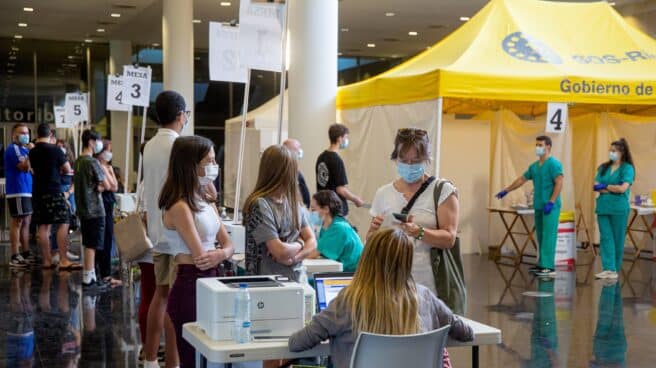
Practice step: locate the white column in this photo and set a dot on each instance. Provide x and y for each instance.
(178, 48)
(120, 53)
(313, 28)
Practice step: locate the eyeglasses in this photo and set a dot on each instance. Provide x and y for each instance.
(411, 133)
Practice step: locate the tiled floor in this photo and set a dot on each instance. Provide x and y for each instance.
(566, 322)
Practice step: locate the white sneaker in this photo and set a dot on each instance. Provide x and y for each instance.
(611, 275)
(55, 259)
(72, 256)
(605, 275)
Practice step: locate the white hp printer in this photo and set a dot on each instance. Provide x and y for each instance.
(277, 307)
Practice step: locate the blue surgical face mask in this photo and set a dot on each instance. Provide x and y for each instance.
(315, 219)
(299, 154)
(24, 139)
(344, 144)
(613, 156)
(98, 147)
(539, 151)
(410, 173)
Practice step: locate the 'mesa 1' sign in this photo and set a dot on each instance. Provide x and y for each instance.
(136, 86)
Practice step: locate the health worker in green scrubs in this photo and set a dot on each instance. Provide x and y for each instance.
(337, 238)
(547, 176)
(613, 182)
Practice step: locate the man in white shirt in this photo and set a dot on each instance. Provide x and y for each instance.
(172, 115)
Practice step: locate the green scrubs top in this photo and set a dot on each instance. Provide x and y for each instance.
(341, 243)
(544, 177)
(615, 203)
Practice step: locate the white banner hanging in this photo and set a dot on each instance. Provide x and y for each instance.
(115, 94)
(224, 54)
(59, 112)
(75, 109)
(260, 35)
(136, 85)
(557, 117)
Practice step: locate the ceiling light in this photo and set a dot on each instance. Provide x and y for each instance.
(225, 3)
(339, 54)
(612, 3)
(115, 15)
(14, 48)
(12, 57)
(88, 40)
(412, 33)
(196, 21)
(155, 44)
(344, 29)
(390, 14)
(70, 57)
(372, 45)
(22, 25)
(464, 19)
(18, 37)
(100, 30)
(29, 10)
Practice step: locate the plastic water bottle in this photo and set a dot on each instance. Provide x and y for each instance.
(243, 315)
(309, 295)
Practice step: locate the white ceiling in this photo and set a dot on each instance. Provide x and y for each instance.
(140, 21)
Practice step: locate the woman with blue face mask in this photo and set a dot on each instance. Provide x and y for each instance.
(337, 238)
(411, 156)
(613, 182)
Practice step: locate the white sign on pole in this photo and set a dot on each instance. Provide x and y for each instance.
(136, 85)
(59, 112)
(76, 109)
(224, 54)
(557, 117)
(115, 94)
(260, 35)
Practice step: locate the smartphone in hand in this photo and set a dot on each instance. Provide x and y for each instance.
(401, 217)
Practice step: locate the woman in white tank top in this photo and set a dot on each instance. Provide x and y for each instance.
(193, 228)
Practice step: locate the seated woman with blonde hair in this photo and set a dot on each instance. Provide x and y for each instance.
(383, 298)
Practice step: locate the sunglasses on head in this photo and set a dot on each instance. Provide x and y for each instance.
(407, 133)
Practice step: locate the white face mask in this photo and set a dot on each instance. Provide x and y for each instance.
(107, 156)
(211, 173)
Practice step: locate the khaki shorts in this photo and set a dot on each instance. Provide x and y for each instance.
(164, 265)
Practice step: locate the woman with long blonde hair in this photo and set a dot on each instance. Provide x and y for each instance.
(383, 298)
(278, 235)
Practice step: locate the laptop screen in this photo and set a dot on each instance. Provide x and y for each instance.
(328, 285)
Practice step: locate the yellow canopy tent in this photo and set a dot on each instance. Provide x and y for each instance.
(513, 54)
(525, 50)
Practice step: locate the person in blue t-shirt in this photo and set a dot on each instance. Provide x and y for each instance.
(19, 195)
(337, 238)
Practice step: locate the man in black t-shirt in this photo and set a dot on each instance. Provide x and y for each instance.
(49, 201)
(330, 169)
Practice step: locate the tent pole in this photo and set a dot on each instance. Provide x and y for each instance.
(283, 72)
(242, 140)
(438, 137)
(142, 137)
(128, 138)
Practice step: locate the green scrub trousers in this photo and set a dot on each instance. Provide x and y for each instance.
(612, 231)
(546, 231)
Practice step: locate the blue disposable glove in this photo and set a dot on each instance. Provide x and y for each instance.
(501, 194)
(598, 187)
(548, 208)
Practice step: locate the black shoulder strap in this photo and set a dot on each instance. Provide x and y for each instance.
(421, 190)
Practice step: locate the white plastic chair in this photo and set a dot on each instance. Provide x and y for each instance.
(423, 350)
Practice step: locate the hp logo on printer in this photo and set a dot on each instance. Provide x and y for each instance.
(524, 47)
(260, 305)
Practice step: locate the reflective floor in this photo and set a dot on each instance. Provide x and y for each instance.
(571, 321)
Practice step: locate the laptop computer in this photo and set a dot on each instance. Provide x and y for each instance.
(327, 285)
